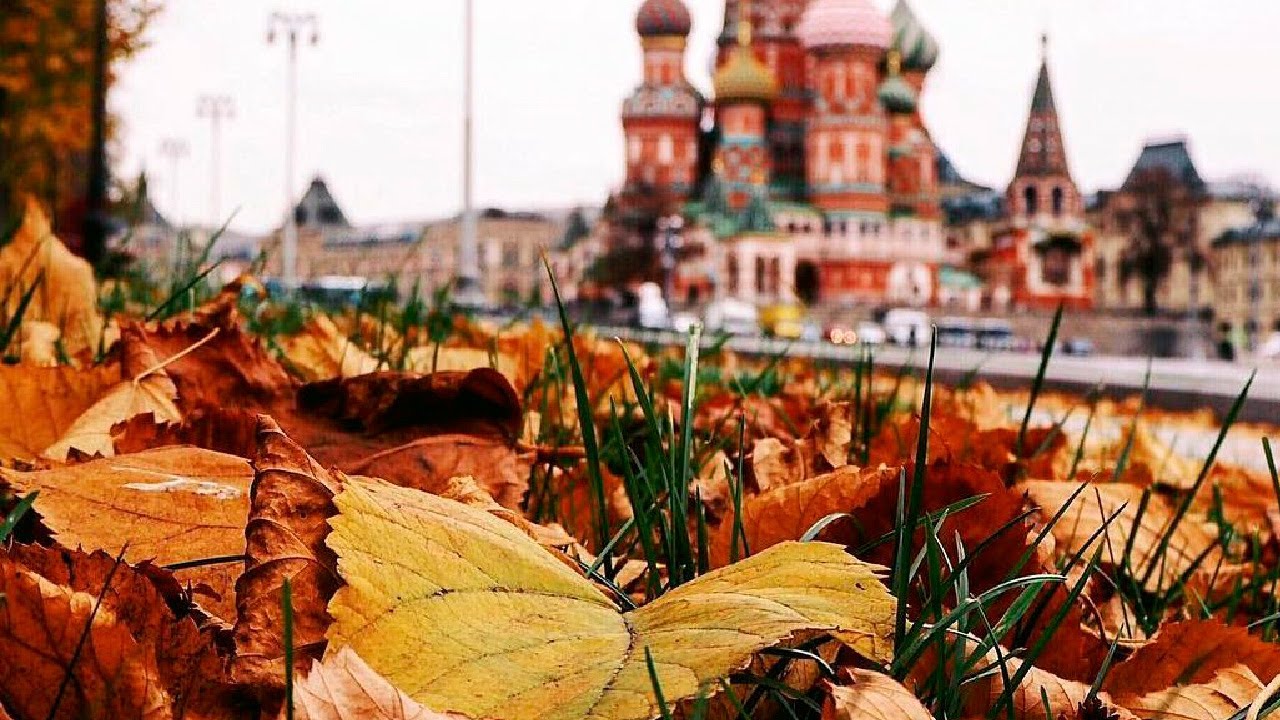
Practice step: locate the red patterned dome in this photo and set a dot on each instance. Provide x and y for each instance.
(844, 23)
(659, 18)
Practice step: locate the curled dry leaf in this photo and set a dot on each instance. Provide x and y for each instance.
(1191, 543)
(344, 686)
(68, 295)
(872, 696)
(41, 625)
(291, 502)
(482, 600)
(428, 359)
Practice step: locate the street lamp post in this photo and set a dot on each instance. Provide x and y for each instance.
(174, 150)
(467, 291)
(291, 26)
(215, 109)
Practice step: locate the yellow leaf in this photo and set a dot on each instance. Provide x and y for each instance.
(466, 613)
(91, 432)
(321, 352)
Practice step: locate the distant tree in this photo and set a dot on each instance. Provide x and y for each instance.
(630, 253)
(576, 228)
(46, 69)
(1158, 213)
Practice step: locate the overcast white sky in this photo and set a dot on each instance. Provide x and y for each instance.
(380, 97)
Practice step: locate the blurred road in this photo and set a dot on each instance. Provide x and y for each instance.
(1176, 384)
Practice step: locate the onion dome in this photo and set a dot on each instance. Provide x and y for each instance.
(897, 97)
(844, 23)
(660, 18)
(919, 49)
(745, 78)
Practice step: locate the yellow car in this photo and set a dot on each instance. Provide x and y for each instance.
(783, 321)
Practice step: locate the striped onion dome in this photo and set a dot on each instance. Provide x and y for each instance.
(659, 18)
(918, 48)
(844, 23)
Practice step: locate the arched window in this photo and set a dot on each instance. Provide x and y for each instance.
(1057, 198)
(760, 275)
(1032, 199)
(732, 272)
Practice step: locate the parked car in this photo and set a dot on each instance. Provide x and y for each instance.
(783, 321)
(1078, 347)
(683, 322)
(651, 308)
(866, 332)
(905, 326)
(996, 334)
(957, 332)
(734, 317)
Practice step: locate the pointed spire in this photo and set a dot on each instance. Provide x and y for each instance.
(1042, 98)
(1043, 152)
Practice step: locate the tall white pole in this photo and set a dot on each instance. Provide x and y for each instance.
(290, 254)
(215, 108)
(174, 150)
(468, 290)
(291, 24)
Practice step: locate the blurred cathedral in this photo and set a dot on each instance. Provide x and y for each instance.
(810, 174)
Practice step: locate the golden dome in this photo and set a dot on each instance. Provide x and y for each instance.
(744, 78)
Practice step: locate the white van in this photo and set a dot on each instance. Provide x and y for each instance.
(733, 316)
(905, 326)
(651, 308)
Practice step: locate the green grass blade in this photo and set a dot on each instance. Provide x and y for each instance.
(15, 515)
(15, 322)
(1122, 463)
(902, 554)
(586, 423)
(1038, 383)
(1163, 547)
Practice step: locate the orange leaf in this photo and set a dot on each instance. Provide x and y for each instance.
(343, 687)
(873, 696)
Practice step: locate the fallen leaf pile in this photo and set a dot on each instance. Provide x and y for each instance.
(355, 518)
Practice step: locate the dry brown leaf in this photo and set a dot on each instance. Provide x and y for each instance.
(343, 687)
(419, 431)
(44, 402)
(774, 464)
(146, 389)
(187, 660)
(1228, 691)
(872, 696)
(786, 512)
(1192, 541)
(232, 365)
(68, 295)
(170, 505)
(1192, 652)
(290, 505)
(41, 625)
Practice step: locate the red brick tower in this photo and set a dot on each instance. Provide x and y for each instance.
(846, 142)
(1042, 191)
(660, 119)
(745, 88)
